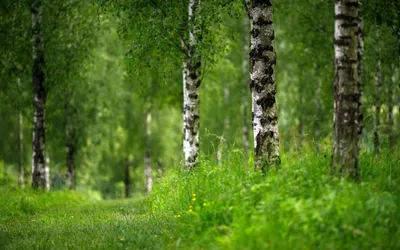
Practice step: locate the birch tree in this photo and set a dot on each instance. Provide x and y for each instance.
(377, 105)
(360, 71)
(191, 84)
(263, 86)
(345, 160)
(147, 162)
(39, 100)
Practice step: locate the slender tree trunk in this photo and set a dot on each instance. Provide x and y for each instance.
(318, 111)
(390, 111)
(127, 179)
(301, 121)
(192, 81)
(245, 90)
(222, 142)
(47, 173)
(346, 100)
(263, 86)
(147, 162)
(377, 106)
(21, 177)
(360, 82)
(71, 152)
(39, 92)
(398, 72)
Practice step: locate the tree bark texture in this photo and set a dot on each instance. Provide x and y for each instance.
(360, 73)
(377, 106)
(346, 92)
(245, 90)
(263, 86)
(191, 84)
(147, 162)
(39, 92)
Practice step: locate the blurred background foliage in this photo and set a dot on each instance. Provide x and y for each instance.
(110, 62)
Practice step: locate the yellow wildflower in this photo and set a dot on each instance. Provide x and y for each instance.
(194, 199)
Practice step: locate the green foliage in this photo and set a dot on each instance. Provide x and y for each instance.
(228, 207)
(298, 207)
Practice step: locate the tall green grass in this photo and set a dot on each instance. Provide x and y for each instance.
(300, 206)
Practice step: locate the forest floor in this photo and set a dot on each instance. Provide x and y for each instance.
(67, 221)
(230, 207)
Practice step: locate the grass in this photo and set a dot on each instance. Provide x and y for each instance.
(228, 207)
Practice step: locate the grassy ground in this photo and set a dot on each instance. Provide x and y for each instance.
(228, 207)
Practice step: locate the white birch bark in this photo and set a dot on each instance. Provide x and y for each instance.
(39, 92)
(47, 174)
(147, 160)
(192, 80)
(346, 92)
(263, 86)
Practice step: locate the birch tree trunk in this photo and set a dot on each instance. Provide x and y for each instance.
(222, 142)
(346, 93)
(47, 173)
(21, 177)
(263, 86)
(71, 152)
(245, 90)
(147, 162)
(191, 84)
(360, 83)
(377, 106)
(127, 179)
(39, 92)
